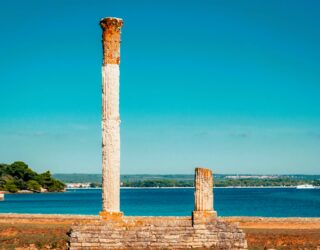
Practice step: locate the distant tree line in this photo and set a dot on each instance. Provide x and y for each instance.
(18, 176)
(220, 180)
(277, 182)
(157, 183)
(284, 182)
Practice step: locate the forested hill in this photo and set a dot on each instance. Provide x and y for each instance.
(18, 176)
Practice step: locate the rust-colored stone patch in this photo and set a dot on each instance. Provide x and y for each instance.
(111, 40)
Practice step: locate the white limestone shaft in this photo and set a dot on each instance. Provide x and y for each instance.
(203, 194)
(110, 91)
(110, 138)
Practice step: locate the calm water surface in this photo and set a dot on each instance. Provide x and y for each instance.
(270, 202)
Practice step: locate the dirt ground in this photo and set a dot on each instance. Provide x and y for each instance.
(280, 233)
(50, 232)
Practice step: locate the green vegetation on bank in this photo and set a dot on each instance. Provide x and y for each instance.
(220, 180)
(285, 182)
(18, 176)
(157, 183)
(276, 182)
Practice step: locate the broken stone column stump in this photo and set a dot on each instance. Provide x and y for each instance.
(203, 197)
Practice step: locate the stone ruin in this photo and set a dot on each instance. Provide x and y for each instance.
(113, 230)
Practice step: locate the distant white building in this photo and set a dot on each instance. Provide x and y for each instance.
(251, 177)
(78, 185)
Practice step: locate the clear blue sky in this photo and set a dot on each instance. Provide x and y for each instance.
(229, 85)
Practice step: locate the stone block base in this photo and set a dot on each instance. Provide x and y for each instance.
(203, 217)
(157, 233)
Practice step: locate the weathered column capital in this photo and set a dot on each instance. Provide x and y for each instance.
(111, 27)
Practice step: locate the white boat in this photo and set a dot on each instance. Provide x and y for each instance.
(305, 186)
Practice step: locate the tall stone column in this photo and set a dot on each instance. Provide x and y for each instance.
(203, 196)
(110, 117)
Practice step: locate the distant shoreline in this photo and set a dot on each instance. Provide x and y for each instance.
(231, 187)
(187, 181)
(294, 187)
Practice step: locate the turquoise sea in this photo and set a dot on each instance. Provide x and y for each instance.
(269, 202)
